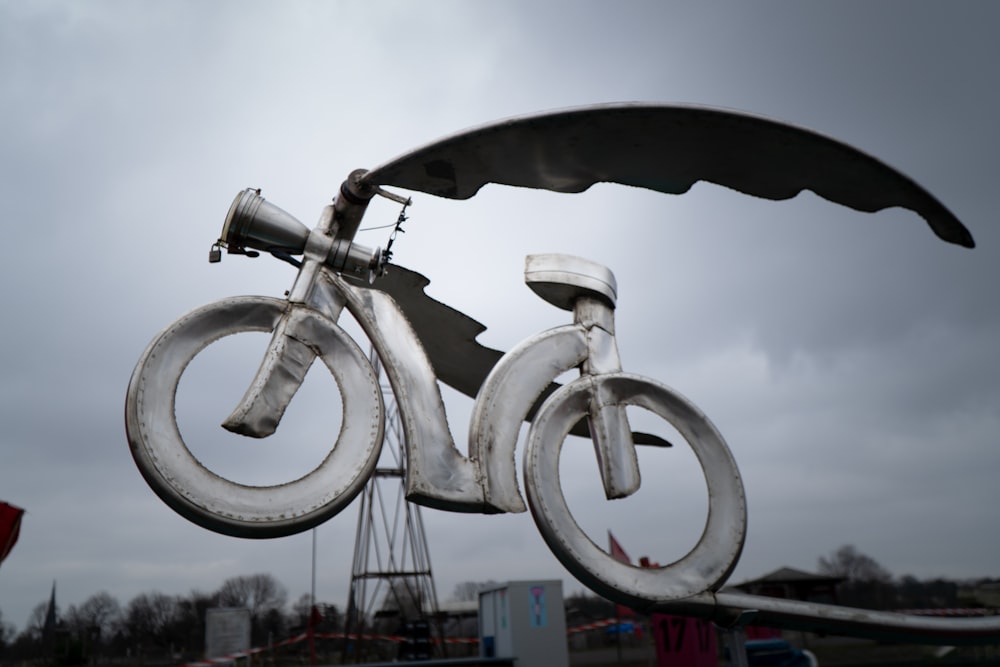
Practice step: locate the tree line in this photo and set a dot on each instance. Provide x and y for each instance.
(868, 585)
(154, 626)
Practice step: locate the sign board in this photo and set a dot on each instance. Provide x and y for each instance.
(227, 631)
(524, 620)
(684, 642)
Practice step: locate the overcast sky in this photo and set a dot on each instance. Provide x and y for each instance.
(849, 359)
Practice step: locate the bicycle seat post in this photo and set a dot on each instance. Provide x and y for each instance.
(590, 291)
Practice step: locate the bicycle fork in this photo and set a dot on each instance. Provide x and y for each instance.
(437, 474)
(590, 291)
(607, 421)
(287, 359)
(509, 392)
(255, 224)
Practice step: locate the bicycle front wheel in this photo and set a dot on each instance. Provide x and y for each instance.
(217, 503)
(706, 566)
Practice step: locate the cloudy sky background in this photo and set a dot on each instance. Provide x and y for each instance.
(849, 359)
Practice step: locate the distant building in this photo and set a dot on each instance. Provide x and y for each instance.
(792, 584)
(981, 594)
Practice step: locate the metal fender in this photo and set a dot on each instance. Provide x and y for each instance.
(504, 401)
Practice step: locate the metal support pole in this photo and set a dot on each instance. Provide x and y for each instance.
(390, 550)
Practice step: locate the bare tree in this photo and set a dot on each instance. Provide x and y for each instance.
(91, 624)
(72, 619)
(867, 584)
(36, 620)
(7, 633)
(301, 609)
(853, 565)
(469, 590)
(263, 595)
(257, 592)
(191, 612)
(151, 616)
(100, 611)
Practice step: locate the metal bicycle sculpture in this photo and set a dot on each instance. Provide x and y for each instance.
(420, 341)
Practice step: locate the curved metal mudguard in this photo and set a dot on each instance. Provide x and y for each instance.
(504, 401)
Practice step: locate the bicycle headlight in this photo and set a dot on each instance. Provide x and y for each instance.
(253, 222)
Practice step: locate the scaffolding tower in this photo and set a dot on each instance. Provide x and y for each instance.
(392, 585)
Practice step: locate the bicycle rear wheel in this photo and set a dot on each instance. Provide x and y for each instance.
(707, 565)
(217, 503)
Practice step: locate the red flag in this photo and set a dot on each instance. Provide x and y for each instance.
(616, 550)
(619, 554)
(10, 527)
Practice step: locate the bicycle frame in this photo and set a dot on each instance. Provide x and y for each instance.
(438, 475)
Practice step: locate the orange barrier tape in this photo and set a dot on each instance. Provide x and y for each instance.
(209, 662)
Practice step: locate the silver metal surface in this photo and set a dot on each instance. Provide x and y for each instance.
(505, 399)
(287, 358)
(355, 260)
(219, 504)
(449, 340)
(662, 147)
(253, 222)
(437, 474)
(707, 565)
(280, 374)
(609, 427)
(728, 609)
(562, 279)
(607, 422)
(887, 626)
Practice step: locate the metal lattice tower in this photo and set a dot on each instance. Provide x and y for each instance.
(391, 577)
